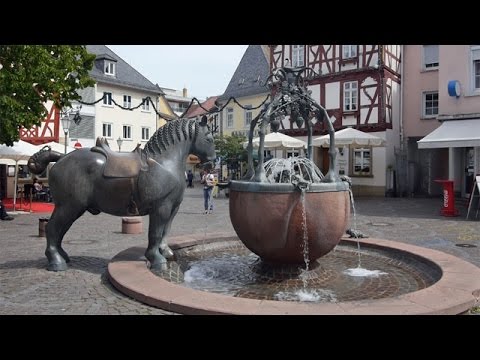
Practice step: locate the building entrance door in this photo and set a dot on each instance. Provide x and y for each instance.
(469, 175)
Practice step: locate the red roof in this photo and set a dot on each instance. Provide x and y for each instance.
(196, 110)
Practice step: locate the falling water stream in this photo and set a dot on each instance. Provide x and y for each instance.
(359, 271)
(355, 231)
(304, 232)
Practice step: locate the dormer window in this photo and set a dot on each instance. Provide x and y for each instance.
(109, 68)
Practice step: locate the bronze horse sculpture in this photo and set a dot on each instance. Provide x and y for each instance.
(146, 181)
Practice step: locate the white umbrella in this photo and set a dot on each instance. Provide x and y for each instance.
(56, 147)
(278, 140)
(21, 150)
(349, 136)
(4, 161)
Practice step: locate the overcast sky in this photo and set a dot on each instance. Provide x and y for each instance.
(205, 70)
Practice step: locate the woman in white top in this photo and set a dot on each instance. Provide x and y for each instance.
(208, 182)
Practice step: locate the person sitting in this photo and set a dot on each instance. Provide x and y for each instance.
(37, 185)
(41, 191)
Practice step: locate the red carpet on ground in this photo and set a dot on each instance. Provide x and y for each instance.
(36, 206)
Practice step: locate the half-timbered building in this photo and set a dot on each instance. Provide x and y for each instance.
(359, 86)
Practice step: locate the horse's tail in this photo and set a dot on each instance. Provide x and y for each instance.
(39, 161)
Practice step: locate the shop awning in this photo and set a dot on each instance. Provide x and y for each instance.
(453, 133)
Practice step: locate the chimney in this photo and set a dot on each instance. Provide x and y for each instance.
(184, 92)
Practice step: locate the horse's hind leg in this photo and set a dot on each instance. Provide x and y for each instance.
(61, 220)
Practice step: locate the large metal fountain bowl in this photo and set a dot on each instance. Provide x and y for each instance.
(269, 219)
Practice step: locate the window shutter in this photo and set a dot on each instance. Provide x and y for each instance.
(430, 54)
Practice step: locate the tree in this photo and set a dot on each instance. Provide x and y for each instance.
(30, 75)
(230, 148)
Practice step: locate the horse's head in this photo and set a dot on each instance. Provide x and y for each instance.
(204, 146)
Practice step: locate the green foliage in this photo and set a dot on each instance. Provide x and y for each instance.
(32, 74)
(475, 310)
(231, 148)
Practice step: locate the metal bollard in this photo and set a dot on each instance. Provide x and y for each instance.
(42, 226)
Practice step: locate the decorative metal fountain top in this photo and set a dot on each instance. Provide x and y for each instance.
(293, 99)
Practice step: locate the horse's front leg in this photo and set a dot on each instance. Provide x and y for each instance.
(155, 232)
(164, 248)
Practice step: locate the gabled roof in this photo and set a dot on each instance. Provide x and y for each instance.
(196, 110)
(125, 75)
(250, 76)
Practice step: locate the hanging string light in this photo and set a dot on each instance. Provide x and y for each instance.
(162, 116)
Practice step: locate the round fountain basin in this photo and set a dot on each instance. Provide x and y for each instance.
(456, 291)
(281, 224)
(345, 274)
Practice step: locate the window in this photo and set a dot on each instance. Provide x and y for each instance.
(293, 153)
(349, 51)
(145, 133)
(127, 101)
(107, 130)
(476, 74)
(298, 54)
(107, 100)
(248, 115)
(146, 105)
(430, 56)
(229, 118)
(350, 96)
(430, 103)
(475, 64)
(109, 68)
(362, 162)
(127, 132)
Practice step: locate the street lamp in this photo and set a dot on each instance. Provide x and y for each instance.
(119, 142)
(66, 125)
(66, 121)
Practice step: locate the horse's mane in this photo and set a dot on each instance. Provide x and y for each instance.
(172, 132)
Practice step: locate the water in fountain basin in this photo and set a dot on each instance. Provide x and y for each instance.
(229, 268)
(363, 272)
(319, 295)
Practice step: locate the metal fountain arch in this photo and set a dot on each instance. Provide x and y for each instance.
(293, 99)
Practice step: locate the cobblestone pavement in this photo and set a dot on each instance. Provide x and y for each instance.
(26, 287)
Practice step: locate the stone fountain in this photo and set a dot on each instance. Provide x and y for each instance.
(293, 214)
(290, 217)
